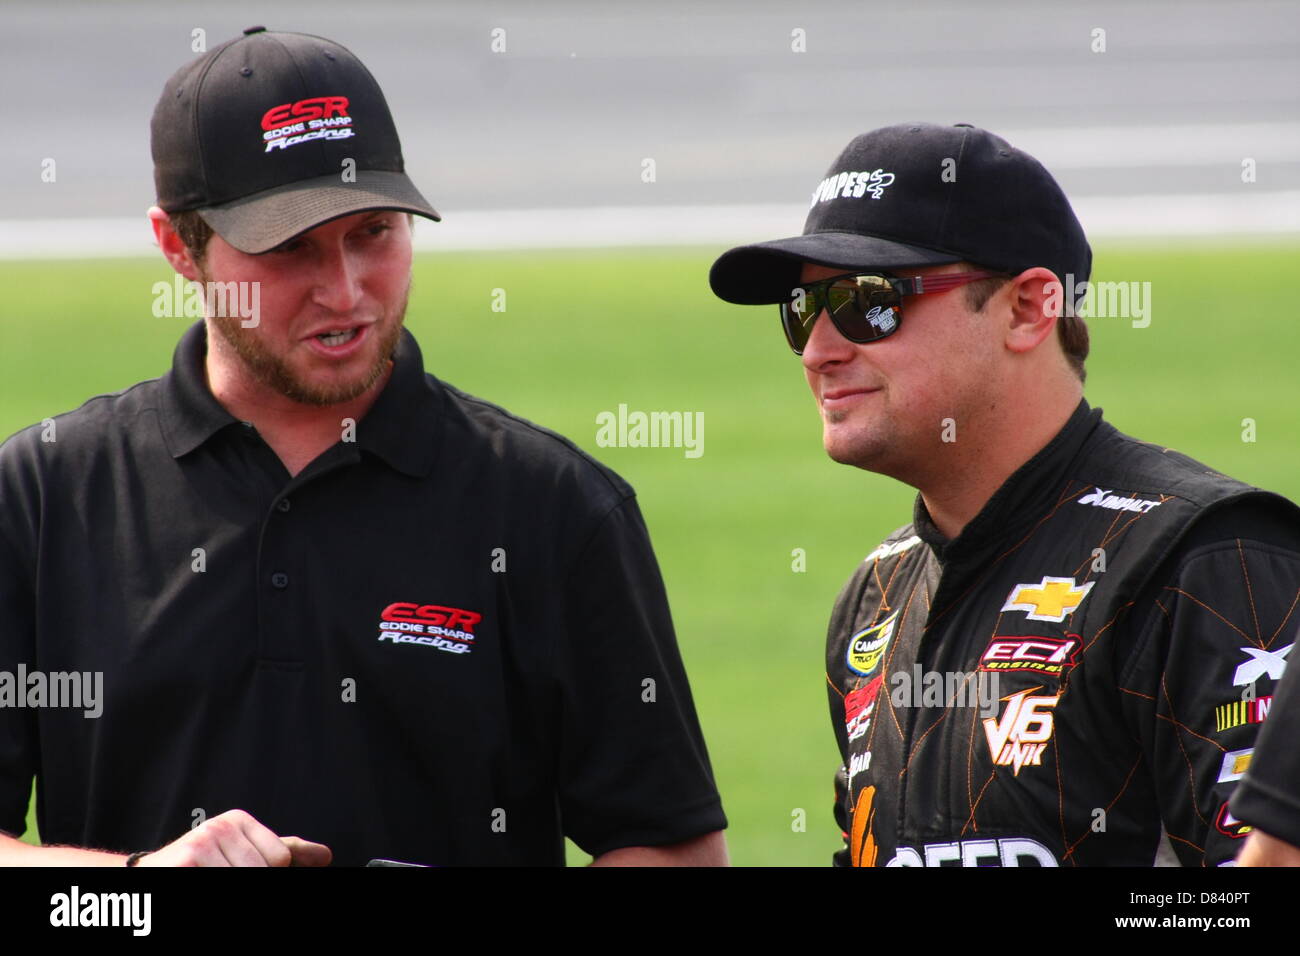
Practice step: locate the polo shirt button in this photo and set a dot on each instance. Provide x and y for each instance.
(280, 580)
(282, 504)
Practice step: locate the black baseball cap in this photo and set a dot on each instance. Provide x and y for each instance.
(918, 194)
(255, 136)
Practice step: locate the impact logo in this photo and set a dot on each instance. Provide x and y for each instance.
(859, 705)
(317, 117)
(889, 550)
(852, 186)
(867, 647)
(1041, 655)
(448, 629)
(1104, 499)
(1021, 734)
(1051, 599)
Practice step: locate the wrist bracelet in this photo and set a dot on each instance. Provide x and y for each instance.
(134, 858)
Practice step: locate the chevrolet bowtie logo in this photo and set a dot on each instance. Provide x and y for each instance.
(1052, 599)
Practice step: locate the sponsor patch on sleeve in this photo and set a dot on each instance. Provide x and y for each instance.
(1041, 655)
(867, 647)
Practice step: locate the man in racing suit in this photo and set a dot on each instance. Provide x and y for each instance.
(1132, 607)
(1064, 659)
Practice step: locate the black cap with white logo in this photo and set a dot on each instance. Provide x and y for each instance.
(918, 194)
(271, 134)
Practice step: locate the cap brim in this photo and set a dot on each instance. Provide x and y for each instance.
(262, 221)
(767, 272)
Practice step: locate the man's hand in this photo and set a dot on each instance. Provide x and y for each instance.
(234, 838)
(1264, 850)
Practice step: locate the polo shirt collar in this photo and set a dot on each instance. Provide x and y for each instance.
(401, 427)
(190, 414)
(404, 424)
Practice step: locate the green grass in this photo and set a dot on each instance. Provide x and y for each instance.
(585, 331)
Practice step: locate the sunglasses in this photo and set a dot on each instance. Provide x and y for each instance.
(864, 306)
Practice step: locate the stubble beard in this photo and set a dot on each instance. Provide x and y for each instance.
(271, 370)
(865, 450)
(866, 446)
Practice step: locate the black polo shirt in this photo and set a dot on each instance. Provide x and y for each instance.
(446, 640)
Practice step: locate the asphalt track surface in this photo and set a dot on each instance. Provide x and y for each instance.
(717, 95)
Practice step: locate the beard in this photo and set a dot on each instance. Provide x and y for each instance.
(271, 370)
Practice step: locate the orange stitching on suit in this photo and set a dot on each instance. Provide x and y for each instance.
(1188, 842)
(1287, 618)
(1069, 850)
(994, 563)
(832, 683)
(1137, 693)
(1196, 600)
(1191, 774)
(887, 665)
(970, 820)
(1250, 595)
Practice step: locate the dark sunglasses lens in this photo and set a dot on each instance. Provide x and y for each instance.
(797, 325)
(864, 308)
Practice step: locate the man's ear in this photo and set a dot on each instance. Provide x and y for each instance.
(170, 244)
(1035, 298)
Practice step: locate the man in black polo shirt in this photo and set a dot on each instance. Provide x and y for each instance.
(328, 594)
(1060, 660)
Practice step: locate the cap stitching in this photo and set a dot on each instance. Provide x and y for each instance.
(392, 120)
(947, 206)
(194, 113)
(317, 147)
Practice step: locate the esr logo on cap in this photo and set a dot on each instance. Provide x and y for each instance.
(317, 117)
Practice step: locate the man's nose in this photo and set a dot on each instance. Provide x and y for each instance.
(337, 278)
(825, 346)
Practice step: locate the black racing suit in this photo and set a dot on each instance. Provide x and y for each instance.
(1269, 795)
(1077, 678)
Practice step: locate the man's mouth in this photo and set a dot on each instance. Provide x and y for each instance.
(339, 342)
(836, 396)
(338, 337)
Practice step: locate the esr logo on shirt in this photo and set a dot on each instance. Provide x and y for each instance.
(448, 629)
